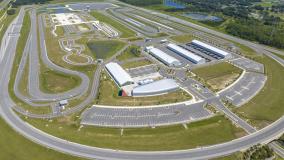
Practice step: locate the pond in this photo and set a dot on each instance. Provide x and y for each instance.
(174, 4)
(203, 17)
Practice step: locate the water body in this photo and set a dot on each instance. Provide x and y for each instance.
(203, 17)
(174, 4)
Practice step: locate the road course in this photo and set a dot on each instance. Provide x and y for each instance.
(261, 136)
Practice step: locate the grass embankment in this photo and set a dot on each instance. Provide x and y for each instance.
(131, 52)
(267, 106)
(15, 146)
(105, 49)
(19, 52)
(218, 76)
(125, 32)
(206, 132)
(108, 95)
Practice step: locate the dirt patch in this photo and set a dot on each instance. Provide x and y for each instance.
(222, 82)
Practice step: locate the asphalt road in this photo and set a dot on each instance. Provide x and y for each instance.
(261, 136)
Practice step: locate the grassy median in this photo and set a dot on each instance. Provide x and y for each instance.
(211, 131)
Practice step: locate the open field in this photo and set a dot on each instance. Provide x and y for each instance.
(56, 82)
(130, 52)
(267, 106)
(218, 76)
(135, 64)
(108, 95)
(15, 146)
(182, 38)
(213, 130)
(105, 49)
(125, 32)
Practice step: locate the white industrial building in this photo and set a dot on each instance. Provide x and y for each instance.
(212, 49)
(155, 88)
(120, 76)
(186, 54)
(163, 57)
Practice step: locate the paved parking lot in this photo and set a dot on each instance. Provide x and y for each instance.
(248, 64)
(141, 71)
(145, 116)
(244, 89)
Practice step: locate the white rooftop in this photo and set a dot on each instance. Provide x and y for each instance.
(209, 47)
(185, 52)
(157, 87)
(164, 57)
(119, 74)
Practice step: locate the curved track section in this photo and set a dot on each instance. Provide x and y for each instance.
(34, 60)
(6, 64)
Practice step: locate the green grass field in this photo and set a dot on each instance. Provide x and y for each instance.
(267, 106)
(17, 147)
(218, 76)
(128, 54)
(213, 130)
(105, 49)
(182, 38)
(125, 32)
(108, 95)
(56, 82)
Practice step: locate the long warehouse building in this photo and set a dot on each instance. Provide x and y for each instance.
(165, 58)
(120, 76)
(212, 49)
(186, 54)
(155, 88)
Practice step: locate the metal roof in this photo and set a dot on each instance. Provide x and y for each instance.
(186, 53)
(157, 87)
(119, 74)
(169, 60)
(211, 48)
